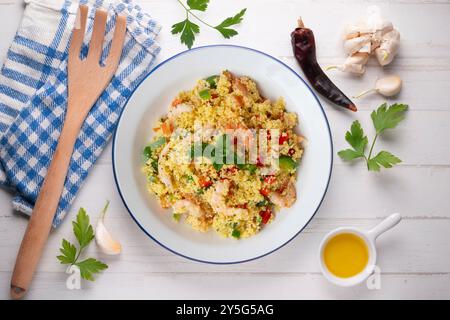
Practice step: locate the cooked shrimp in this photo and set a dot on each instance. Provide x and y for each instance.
(163, 176)
(218, 200)
(286, 198)
(186, 206)
(179, 109)
(238, 86)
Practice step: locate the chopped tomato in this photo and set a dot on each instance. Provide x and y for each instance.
(283, 138)
(291, 152)
(176, 102)
(205, 183)
(265, 215)
(214, 95)
(259, 163)
(264, 191)
(269, 179)
(232, 170)
(242, 206)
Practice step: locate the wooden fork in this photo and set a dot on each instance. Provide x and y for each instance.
(86, 81)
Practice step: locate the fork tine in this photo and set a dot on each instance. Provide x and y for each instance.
(117, 43)
(78, 33)
(98, 35)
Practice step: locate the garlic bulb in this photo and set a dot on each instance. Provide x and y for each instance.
(371, 34)
(105, 241)
(387, 86)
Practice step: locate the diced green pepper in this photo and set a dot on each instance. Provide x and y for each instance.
(154, 164)
(236, 234)
(287, 163)
(157, 143)
(148, 150)
(217, 166)
(176, 216)
(262, 203)
(258, 219)
(147, 153)
(205, 94)
(212, 81)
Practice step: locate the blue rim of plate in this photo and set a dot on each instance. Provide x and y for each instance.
(196, 49)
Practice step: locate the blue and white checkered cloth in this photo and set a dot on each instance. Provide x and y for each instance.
(33, 94)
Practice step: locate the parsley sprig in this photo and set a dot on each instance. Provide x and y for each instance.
(383, 118)
(189, 29)
(70, 254)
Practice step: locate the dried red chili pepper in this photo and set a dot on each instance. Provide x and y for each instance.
(304, 47)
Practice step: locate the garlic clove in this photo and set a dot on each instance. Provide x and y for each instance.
(354, 64)
(389, 86)
(366, 48)
(357, 69)
(354, 45)
(105, 241)
(354, 30)
(358, 58)
(388, 48)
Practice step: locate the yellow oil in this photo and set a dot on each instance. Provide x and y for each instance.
(346, 255)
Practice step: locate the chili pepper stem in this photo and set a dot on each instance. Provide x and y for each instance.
(300, 23)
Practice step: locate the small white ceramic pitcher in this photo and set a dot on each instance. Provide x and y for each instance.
(369, 237)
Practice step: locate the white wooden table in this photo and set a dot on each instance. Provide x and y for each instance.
(414, 258)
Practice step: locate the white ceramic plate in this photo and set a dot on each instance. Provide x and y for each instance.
(151, 100)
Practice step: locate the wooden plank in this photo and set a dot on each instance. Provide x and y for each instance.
(420, 140)
(414, 246)
(232, 286)
(414, 191)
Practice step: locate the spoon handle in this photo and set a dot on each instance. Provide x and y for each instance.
(385, 225)
(40, 223)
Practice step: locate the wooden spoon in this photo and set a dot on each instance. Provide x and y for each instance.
(86, 81)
